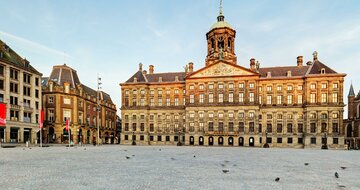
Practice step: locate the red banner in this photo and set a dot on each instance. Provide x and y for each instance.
(67, 124)
(2, 114)
(41, 119)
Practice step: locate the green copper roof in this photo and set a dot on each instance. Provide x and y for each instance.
(221, 24)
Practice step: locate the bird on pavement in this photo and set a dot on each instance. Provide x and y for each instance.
(277, 179)
(336, 175)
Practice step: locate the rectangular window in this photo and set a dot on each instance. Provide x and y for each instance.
(290, 140)
(251, 127)
(300, 140)
(231, 97)
(2, 84)
(167, 101)
(279, 88)
(201, 87)
(231, 86)
(231, 126)
(289, 99)
(312, 86)
(211, 86)
(159, 138)
(260, 99)
(221, 126)
(241, 85)
(251, 97)
(279, 99)
(201, 98)
(134, 126)
(142, 126)
(152, 102)
(269, 88)
(335, 141)
(151, 127)
(191, 87)
(323, 85)
(279, 140)
(289, 87)
(268, 99)
(167, 138)
(211, 126)
(221, 86)
(241, 127)
(299, 99)
(335, 128)
(323, 98)
(300, 128)
(289, 128)
(252, 85)
(176, 101)
(312, 127)
(241, 97)
(335, 85)
(211, 98)
(160, 102)
(191, 98)
(313, 140)
(269, 128)
(14, 74)
(312, 98)
(221, 98)
(279, 128)
(300, 87)
(334, 98)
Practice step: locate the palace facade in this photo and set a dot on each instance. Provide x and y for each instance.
(65, 97)
(226, 104)
(20, 90)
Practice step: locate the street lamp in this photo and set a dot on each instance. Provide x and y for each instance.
(266, 145)
(133, 139)
(98, 107)
(324, 146)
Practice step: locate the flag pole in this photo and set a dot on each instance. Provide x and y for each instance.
(69, 133)
(40, 137)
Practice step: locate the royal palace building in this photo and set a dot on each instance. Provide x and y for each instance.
(20, 90)
(227, 104)
(65, 97)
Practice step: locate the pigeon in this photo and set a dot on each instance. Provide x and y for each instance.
(23, 148)
(194, 156)
(225, 171)
(30, 147)
(343, 167)
(125, 150)
(234, 165)
(336, 175)
(84, 148)
(160, 149)
(172, 158)
(223, 165)
(127, 157)
(133, 155)
(226, 161)
(277, 179)
(306, 164)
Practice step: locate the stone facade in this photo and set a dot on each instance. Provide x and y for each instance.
(20, 90)
(225, 104)
(65, 97)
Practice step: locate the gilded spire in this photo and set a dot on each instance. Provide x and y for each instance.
(221, 16)
(220, 13)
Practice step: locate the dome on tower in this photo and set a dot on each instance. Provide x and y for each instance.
(221, 24)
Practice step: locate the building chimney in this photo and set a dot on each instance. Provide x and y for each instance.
(252, 64)
(151, 69)
(299, 61)
(160, 79)
(144, 72)
(135, 79)
(176, 78)
(140, 66)
(308, 63)
(191, 67)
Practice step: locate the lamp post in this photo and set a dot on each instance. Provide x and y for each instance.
(98, 107)
(324, 146)
(266, 145)
(133, 139)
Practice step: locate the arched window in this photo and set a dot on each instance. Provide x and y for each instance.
(229, 44)
(212, 45)
(221, 43)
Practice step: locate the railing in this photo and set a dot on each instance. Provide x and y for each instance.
(13, 106)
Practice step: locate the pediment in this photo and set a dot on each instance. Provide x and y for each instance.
(222, 69)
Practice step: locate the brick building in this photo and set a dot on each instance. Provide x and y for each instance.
(352, 123)
(64, 96)
(227, 104)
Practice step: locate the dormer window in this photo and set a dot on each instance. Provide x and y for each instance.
(268, 74)
(322, 71)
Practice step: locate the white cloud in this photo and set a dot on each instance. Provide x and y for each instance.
(34, 45)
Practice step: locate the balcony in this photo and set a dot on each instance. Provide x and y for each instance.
(28, 108)
(27, 120)
(15, 107)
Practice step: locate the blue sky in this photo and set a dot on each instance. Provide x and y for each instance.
(112, 37)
